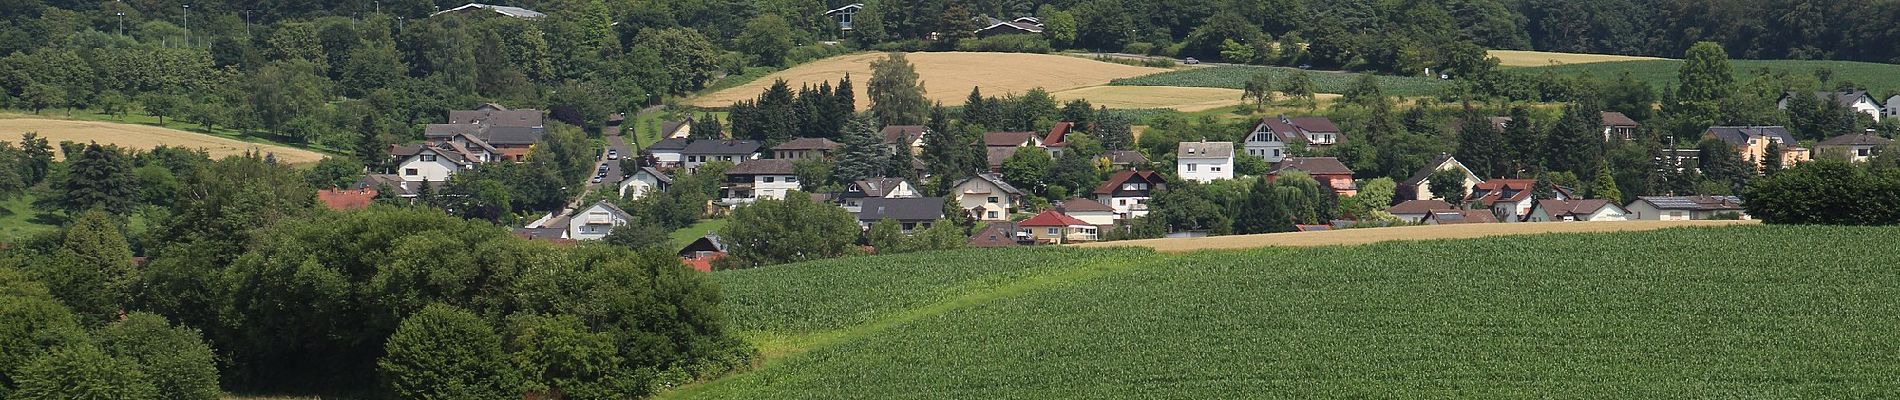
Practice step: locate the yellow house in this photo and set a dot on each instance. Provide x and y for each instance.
(1052, 227)
(1752, 143)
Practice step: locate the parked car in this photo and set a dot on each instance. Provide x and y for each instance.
(1190, 61)
(597, 178)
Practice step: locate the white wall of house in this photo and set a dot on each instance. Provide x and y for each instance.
(1642, 210)
(639, 185)
(1893, 106)
(1127, 206)
(427, 166)
(772, 187)
(1096, 217)
(994, 204)
(667, 157)
(1411, 218)
(593, 223)
(694, 161)
(1204, 169)
(1866, 105)
(1425, 188)
(1608, 213)
(903, 191)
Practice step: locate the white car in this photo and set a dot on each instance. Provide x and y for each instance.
(613, 154)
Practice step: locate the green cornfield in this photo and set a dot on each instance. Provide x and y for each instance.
(1235, 77)
(1734, 312)
(1882, 79)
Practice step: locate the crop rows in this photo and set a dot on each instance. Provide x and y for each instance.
(1755, 311)
(1235, 77)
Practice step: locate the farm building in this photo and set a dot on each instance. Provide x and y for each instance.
(1685, 208)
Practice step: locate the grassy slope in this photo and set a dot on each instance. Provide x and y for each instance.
(687, 235)
(16, 219)
(1235, 77)
(1882, 79)
(1749, 311)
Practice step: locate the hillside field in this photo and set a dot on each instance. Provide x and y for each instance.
(1422, 232)
(1882, 79)
(1729, 312)
(143, 137)
(1235, 77)
(1525, 58)
(946, 76)
(1185, 99)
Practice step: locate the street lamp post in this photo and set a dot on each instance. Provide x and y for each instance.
(187, 25)
(247, 23)
(121, 23)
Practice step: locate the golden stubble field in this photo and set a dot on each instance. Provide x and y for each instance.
(948, 76)
(1525, 58)
(1404, 233)
(143, 137)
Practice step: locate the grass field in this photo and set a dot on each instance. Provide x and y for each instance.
(142, 137)
(1882, 79)
(17, 219)
(946, 76)
(687, 235)
(1524, 58)
(1235, 77)
(1743, 311)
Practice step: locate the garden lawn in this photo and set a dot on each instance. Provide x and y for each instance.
(1742, 311)
(17, 219)
(687, 235)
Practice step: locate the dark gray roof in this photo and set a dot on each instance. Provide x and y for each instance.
(519, 118)
(1205, 150)
(669, 144)
(808, 144)
(510, 135)
(901, 133)
(994, 179)
(657, 175)
(711, 242)
(722, 147)
(1703, 203)
(1126, 157)
(611, 208)
(763, 167)
(1844, 97)
(1738, 135)
(668, 127)
(878, 187)
(1858, 139)
(910, 209)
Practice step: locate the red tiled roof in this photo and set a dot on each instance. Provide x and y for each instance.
(1492, 191)
(702, 264)
(1057, 134)
(346, 199)
(1051, 219)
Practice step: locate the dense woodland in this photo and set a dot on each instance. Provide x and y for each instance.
(174, 275)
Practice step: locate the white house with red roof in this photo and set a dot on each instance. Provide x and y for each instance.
(1128, 191)
(1052, 227)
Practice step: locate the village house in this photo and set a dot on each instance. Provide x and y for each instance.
(1857, 100)
(1415, 211)
(1128, 191)
(644, 181)
(1052, 227)
(1091, 211)
(876, 188)
(904, 136)
(596, 221)
(682, 129)
(1419, 186)
(1685, 208)
(1204, 161)
(1858, 147)
(1510, 199)
(1456, 217)
(996, 235)
(1057, 139)
(911, 213)
(1273, 137)
(758, 179)
(844, 14)
(1752, 143)
(1584, 210)
(667, 153)
(432, 162)
(987, 197)
(1330, 173)
(700, 152)
(1617, 126)
(999, 146)
(1125, 159)
(703, 251)
(398, 187)
(805, 149)
(505, 11)
(1019, 26)
(1893, 106)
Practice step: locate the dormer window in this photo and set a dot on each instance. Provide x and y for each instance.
(428, 157)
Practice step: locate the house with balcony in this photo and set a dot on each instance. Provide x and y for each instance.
(986, 197)
(1275, 138)
(1052, 227)
(758, 179)
(596, 221)
(700, 152)
(1128, 192)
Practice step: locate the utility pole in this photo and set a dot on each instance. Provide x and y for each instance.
(379, 6)
(187, 25)
(247, 23)
(121, 23)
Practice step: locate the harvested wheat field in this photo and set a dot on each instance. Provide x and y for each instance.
(947, 76)
(143, 137)
(1186, 99)
(1523, 58)
(1403, 233)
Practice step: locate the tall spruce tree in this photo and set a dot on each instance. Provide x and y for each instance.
(1480, 146)
(1522, 135)
(1575, 143)
(100, 177)
(863, 155)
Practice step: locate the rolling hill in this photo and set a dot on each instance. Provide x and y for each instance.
(946, 76)
(1743, 311)
(1882, 79)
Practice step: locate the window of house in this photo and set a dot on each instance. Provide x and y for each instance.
(992, 215)
(1865, 152)
(910, 226)
(1055, 231)
(1276, 152)
(770, 179)
(993, 199)
(409, 171)
(428, 157)
(1135, 186)
(1121, 202)
(1193, 167)
(1214, 169)
(791, 179)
